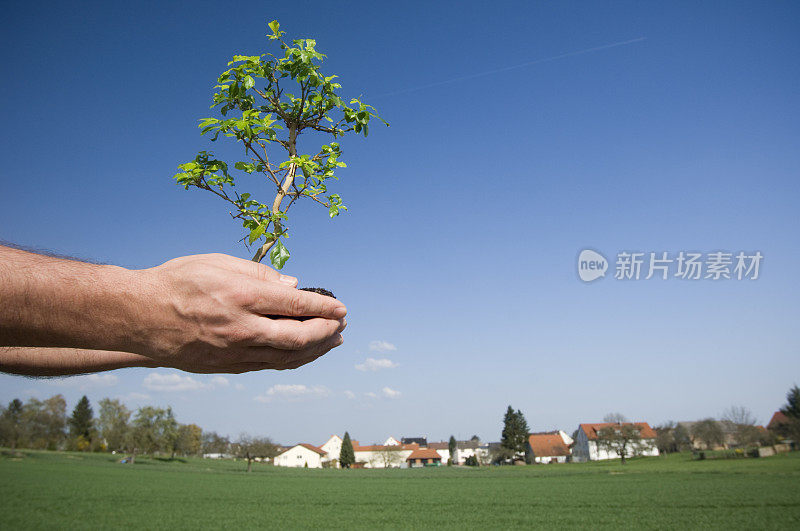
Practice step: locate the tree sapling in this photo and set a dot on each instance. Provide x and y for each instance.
(268, 118)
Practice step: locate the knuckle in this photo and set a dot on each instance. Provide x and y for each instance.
(293, 339)
(295, 304)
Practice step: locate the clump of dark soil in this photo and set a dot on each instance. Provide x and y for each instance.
(321, 291)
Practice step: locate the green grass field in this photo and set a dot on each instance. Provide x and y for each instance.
(69, 490)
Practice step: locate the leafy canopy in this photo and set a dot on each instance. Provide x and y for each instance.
(266, 102)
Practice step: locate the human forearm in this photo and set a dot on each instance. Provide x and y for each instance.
(52, 302)
(202, 313)
(37, 361)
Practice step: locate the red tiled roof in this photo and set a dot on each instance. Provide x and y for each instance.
(591, 429)
(777, 419)
(547, 445)
(424, 453)
(313, 448)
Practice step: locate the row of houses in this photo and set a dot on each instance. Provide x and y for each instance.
(544, 447)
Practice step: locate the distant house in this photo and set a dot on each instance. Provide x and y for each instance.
(424, 457)
(332, 449)
(301, 455)
(549, 447)
(422, 441)
(391, 441)
(217, 456)
(587, 446)
(464, 449)
(383, 455)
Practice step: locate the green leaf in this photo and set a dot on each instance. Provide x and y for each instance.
(275, 26)
(249, 82)
(256, 234)
(278, 255)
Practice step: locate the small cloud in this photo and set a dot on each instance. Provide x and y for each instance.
(156, 381)
(172, 382)
(86, 381)
(220, 381)
(292, 392)
(350, 394)
(238, 386)
(371, 395)
(388, 392)
(381, 346)
(372, 364)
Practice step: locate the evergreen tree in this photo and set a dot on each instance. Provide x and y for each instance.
(515, 432)
(80, 423)
(453, 447)
(522, 431)
(507, 436)
(792, 407)
(347, 457)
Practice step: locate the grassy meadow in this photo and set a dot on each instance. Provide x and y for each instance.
(72, 490)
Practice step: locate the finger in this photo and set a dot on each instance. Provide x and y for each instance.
(280, 359)
(292, 335)
(304, 361)
(275, 299)
(259, 271)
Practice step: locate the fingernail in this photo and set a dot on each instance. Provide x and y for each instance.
(339, 340)
(340, 312)
(286, 279)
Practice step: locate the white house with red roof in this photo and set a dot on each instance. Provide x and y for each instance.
(301, 455)
(423, 457)
(589, 447)
(383, 455)
(332, 449)
(549, 447)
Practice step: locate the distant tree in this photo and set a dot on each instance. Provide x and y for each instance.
(214, 443)
(665, 438)
(682, 437)
(623, 437)
(11, 424)
(471, 461)
(347, 457)
(746, 433)
(515, 432)
(81, 424)
(475, 438)
(390, 456)
(154, 430)
(708, 433)
(43, 423)
(189, 440)
(251, 448)
(452, 446)
(112, 424)
(792, 407)
(791, 430)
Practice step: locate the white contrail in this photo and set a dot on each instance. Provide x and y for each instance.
(504, 69)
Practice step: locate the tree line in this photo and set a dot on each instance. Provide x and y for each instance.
(45, 425)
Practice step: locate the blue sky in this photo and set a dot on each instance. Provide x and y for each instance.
(458, 253)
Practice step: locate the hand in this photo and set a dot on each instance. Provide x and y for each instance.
(207, 313)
